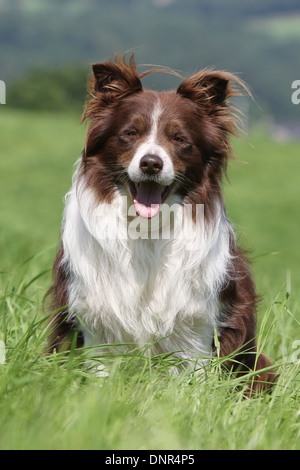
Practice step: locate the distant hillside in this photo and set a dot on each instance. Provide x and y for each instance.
(258, 40)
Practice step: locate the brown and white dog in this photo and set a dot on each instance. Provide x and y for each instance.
(147, 152)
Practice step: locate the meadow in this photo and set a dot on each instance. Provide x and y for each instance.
(57, 402)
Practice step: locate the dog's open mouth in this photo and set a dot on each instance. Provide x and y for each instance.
(148, 197)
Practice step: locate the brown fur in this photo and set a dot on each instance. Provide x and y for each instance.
(199, 159)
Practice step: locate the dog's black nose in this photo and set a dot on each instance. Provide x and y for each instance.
(151, 164)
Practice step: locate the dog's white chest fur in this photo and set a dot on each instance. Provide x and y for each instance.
(143, 290)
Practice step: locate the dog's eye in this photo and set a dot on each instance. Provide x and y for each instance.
(131, 133)
(178, 139)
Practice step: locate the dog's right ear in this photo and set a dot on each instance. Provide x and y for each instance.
(116, 79)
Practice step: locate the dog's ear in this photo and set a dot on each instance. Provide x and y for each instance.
(116, 79)
(211, 88)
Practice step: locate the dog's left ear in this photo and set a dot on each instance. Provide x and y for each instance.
(210, 87)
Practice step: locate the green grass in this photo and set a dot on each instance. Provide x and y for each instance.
(57, 402)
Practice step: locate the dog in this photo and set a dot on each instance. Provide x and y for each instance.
(124, 275)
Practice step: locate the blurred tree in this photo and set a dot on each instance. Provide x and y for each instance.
(234, 35)
(48, 89)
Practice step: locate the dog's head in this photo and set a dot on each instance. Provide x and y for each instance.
(157, 143)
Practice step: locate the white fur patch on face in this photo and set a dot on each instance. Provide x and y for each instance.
(151, 146)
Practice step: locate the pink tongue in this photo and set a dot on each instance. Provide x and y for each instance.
(148, 199)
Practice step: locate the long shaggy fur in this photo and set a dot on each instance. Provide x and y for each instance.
(174, 291)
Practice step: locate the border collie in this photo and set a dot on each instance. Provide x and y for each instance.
(140, 261)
